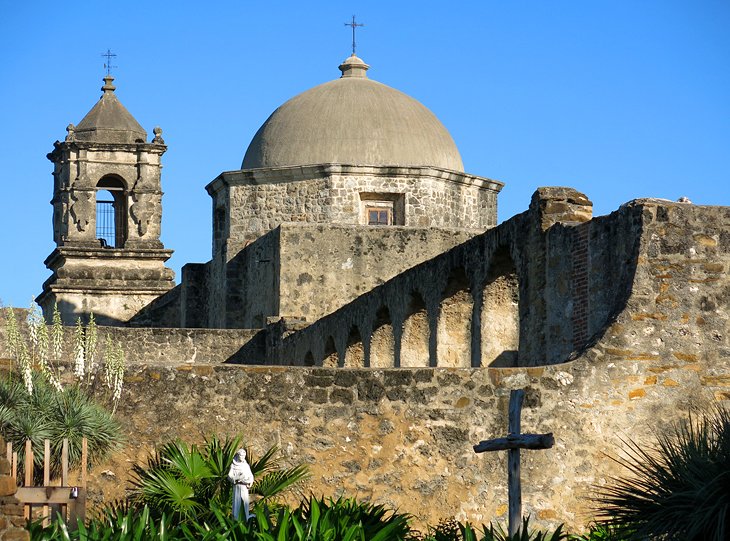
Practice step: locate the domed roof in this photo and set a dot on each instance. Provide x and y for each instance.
(352, 120)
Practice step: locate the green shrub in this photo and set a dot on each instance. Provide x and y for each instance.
(313, 520)
(677, 489)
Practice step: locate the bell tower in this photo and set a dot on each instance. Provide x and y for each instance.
(107, 213)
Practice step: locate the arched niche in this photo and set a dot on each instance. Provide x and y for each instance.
(329, 359)
(414, 340)
(309, 359)
(382, 342)
(111, 212)
(453, 348)
(501, 312)
(354, 354)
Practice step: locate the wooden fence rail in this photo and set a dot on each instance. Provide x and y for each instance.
(54, 496)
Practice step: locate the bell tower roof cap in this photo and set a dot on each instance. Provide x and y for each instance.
(109, 121)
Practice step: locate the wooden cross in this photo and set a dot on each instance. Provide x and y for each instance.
(513, 443)
(354, 25)
(108, 64)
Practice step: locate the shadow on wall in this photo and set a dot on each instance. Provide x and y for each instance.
(506, 359)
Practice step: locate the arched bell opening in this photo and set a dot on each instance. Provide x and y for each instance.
(111, 212)
(454, 322)
(500, 326)
(414, 341)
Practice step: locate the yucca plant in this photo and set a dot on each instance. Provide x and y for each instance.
(678, 488)
(186, 481)
(53, 415)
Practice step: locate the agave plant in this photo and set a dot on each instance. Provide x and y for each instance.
(678, 488)
(185, 482)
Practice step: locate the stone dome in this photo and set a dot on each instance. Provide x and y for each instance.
(352, 120)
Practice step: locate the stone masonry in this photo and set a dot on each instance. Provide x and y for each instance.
(11, 512)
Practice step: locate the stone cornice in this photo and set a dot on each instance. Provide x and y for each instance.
(61, 147)
(107, 253)
(277, 175)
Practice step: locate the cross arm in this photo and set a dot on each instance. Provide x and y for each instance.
(516, 441)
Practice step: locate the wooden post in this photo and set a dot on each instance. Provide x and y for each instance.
(64, 463)
(514, 487)
(512, 444)
(28, 474)
(46, 475)
(15, 465)
(84, 461)
(9, 452)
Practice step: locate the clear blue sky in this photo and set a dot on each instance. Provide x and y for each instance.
(619, 99)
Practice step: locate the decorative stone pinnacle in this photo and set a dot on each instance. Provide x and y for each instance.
(158, 136)
(108, 87)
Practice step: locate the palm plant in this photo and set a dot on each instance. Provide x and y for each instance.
(186, 482)
(677, 489)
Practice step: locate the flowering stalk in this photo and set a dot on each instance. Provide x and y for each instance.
(91, 338)
(14, 339)
(79, 358)
(57, 333)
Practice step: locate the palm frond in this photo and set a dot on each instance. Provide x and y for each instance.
(275, 482)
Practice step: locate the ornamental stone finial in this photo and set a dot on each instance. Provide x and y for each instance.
(70, 133)
(158, 136)
(108, 87)
(353, 66)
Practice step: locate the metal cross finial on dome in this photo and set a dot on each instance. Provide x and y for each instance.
(108, 64)
(354, 25)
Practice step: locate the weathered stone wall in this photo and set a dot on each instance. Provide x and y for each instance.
(403, 437)
(566, 283)
(306, 271)
(325, 267)
(252, 202)
(155, 346)
(11, 512)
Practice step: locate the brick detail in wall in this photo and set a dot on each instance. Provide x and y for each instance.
(579, 274)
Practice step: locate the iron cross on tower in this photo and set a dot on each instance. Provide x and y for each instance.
(108, 64)
(354, 25)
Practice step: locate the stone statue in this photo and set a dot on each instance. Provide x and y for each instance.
(241, 476)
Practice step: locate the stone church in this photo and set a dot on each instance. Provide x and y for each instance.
(362, 271)
(351, 158)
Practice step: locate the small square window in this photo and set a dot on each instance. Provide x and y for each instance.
(379, 216)
(382, 209)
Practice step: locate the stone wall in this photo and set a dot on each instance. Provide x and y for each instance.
(325, 267)
(306, 271)
(564, 284)
(11, 512)
(249, 203)
(404, 437)
(155, 346)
